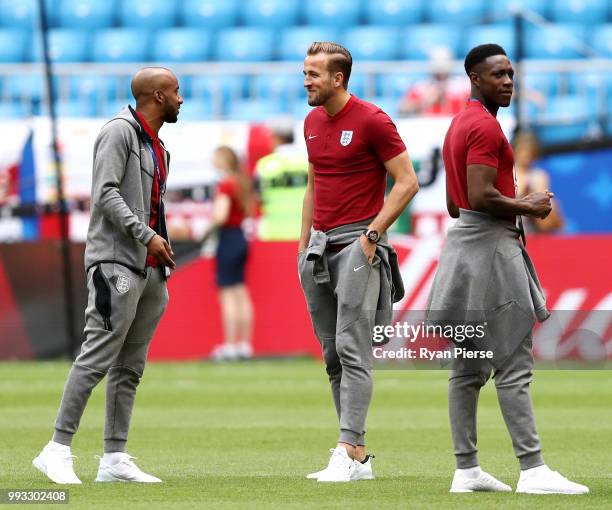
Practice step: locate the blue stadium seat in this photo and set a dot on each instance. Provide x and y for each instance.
(561, 41)
(566, 119)
(86, 14)
(219, 90)
(182, 45)
(13, 109)
(93, 88)
(150, 14)
(300, 109)
(362, 85)
(372, 42)
(209, 13)
(456, 11)
(13, 44)
(65, 45)
(503, 10)
(109, 109)
(245, 44)
(418, 41)
(338, 13)
(394, 12)
(295, 41)
(196, 109)
(601, 40)
(26, 86)
(285, 88)
(395, 85)
(24, 13)
(71, 108)
(580, 11)
(254, 110)
(120, 45)
(497, 34)
(545, 83)
(270, 13)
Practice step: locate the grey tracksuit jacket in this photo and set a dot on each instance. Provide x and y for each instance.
(123, 171)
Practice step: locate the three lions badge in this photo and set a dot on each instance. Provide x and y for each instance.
(123, 284)
(345, 138)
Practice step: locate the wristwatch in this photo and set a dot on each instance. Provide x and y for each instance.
(372, 236)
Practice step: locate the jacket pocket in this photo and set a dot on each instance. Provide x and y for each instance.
(103, 297)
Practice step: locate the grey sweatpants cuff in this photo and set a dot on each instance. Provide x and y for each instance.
(114, 445)
(350, 437)
(531, 460)
(62, 437)
(467, 460)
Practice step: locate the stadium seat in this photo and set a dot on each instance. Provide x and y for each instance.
(219, 90)
(120, 45)
(197, 109)
(560, 41)
(109, 109)
(300, 109)
(71, 108)
(295, 41)
(456, 11)
(565, 119)
(601, 40)
(497, 34)
(13, 109)
(209, 13)
(270, 13)
(418, 41)
(245, 44)
(395, 85)
(150, 14)
(65, 45)
(24, 13)
(182, 45)
(254, 110)
(394, 12)
(362, 85)
(13, 45)
(86, 14)
(544, 83)
(587, 12)
(93, 88)
(372, 42)
(285, 88)
(338, 13)
(502, 11)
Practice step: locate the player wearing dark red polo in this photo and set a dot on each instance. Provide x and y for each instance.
(485, 272)
(347, 268)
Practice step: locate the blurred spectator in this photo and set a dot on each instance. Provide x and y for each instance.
(531, 180)
(282, 178)
(232, 204)
(440, 94)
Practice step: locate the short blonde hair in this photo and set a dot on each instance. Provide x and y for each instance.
(340, 60)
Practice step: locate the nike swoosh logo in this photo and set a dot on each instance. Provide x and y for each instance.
(310, 137)
(358, 268)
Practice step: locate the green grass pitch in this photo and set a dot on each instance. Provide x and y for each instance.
(244, 435)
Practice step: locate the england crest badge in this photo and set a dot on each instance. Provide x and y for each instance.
(345, 138)
(123, 284)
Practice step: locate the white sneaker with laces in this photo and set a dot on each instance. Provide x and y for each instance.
(224, 352)
(244, 350)
(316, 474)
(55, 461)
(543, 480)
(475, 480)
(123, 471)
(361, 471)
(340, 467)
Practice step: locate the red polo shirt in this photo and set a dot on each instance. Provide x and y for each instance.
(160, 154)
(229, 187)
(476, 138)
(348, 151)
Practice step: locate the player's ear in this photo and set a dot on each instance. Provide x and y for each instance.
(475, 78)
(159, 96)
(338, 79)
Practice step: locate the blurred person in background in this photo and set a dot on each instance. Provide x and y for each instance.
(232, 205)
(281, 178)
(441, 93)
(532, 180)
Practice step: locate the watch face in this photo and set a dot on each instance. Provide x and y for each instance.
(373, 236)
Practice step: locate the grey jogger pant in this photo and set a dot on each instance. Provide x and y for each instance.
(343, 312)
(512, 385)
(116, 346)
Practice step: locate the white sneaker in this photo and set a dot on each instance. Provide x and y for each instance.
(361, 471)
(55, 461)
(123, 471)
(224, 352)
(543, 480)
(244, 350)
(340, 467)
(475, 479)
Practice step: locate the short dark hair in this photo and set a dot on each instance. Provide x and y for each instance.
(340, 59)
(479, 53)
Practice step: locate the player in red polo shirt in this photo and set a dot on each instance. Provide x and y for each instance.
(347, 268)
(481, 192)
